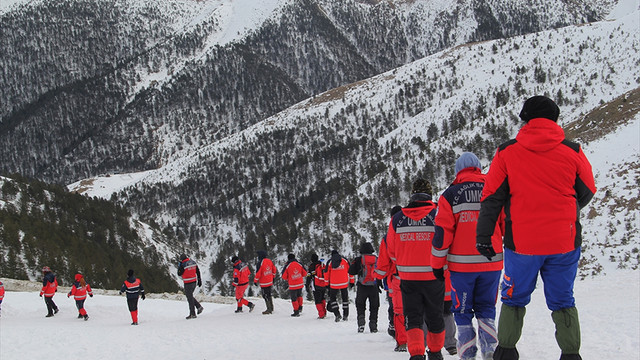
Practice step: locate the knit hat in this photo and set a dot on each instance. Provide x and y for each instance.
(130, 273)
(183, 257)
(334, 252)
(395, 209)
(46, 269)
(314, 257)
(78, 277)
(366, 248)
(421, 186)
(234, 259)
(467, 160)
(539, 107)
(291, 257)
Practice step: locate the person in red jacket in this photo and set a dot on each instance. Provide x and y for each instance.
(409, 246)
(337, 274)
(49, 288)
(190, 273)
(318, 284)
(241, 274)
(1, 294)
(294, 273)
(265, 274)
(541, 180)
(79, 290)
(132, 286)
(367, 287)
(474, 278)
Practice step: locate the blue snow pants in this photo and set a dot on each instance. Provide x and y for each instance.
(474, 293)
(558, 273)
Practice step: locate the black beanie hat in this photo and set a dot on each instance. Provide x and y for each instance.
(421, 186)
(539, 107)
(183, 257)
(395, 209)
(234, 259)
(334, 252)
(291, 257)
(130, 273)
(314, 257)
(366, 248)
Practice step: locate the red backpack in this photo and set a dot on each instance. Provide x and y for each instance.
(368, 268)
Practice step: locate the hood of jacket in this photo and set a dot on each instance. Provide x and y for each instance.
(540, 135)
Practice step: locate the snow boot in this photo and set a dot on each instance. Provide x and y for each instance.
(200, 310)
(436, 355)
(361, 328)
(338, 317)
(238, 310)
(86, 317)
(192, 316)
(570, 357)
(400, 348)
(296, 313)
(251, 306)
(55, 311)
(134, 323)
(417, 357)
(79, 316)
(506, 353)
(567, 330)
(49, 315)
(452, 350)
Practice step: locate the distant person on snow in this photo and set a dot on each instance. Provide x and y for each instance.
(294, 273)
(265, 274)
(134, 289)
(318, 284)
(49, 288)
(1, 294)
(541, 180)
(241, 274)
(337, 274)
(474, 278)
(79, 290)
(367, 287)
(190, 273)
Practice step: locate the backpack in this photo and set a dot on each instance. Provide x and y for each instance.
(368, 267)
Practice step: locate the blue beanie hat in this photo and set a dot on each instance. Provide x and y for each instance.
(466, 160)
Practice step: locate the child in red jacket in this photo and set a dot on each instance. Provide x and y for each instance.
(79, 290)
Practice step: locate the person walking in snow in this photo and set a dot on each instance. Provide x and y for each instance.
(367, 287)
(190, 273)
(541, 180)
(473, 277)
(294, 273)
(132, 286)
(317, 282)
(1, 294)
(49, 288)
(337, 274)
(409, 243)
(80, 289)
(241, 275)
(265, 274)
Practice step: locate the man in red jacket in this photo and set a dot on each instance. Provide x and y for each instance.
(190, 273)
(337, 274)
(241, 274)
(265, 273)
(474, 278)
(49, 288)
(294, 273)
(318, 284)
(542, 181)
(409, 245)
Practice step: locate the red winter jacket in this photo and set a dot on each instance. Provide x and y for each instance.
(319, 279)
(294, 273)
(189, 271)
(79, 291)
(241, 273)
(542, 181)
(339, 277)
(266, 273)
(1, 291)
(49, 285)
(409, 239)
(455, 238)
(385, 267)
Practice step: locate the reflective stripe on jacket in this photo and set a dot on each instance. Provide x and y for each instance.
(80, 292)
(266, 273)
(294, 273)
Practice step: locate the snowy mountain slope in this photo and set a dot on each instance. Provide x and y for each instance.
(375, 136)
(220, 334)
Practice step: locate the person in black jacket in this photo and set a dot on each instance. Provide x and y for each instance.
(367, 287)
(134, 289)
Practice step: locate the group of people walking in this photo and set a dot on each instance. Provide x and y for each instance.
(442, 263)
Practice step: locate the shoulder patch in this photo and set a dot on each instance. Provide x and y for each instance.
(574, 146)
(506, 144)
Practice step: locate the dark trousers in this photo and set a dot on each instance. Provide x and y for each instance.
(51, 306)
(333, 302)
(266, 294)
(189, 288)
(132, 303)
(364, 293)
(423, 302)
(318, 294)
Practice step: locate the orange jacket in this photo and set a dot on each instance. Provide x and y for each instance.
(339, 277)
(294, 273)
(49, 285)
(266, 273)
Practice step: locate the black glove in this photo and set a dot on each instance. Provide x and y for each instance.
(199, 283)
(90, 295)
(40, 295)
(439, 274)
(142, 296)
(486, 250)
(119, 292)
